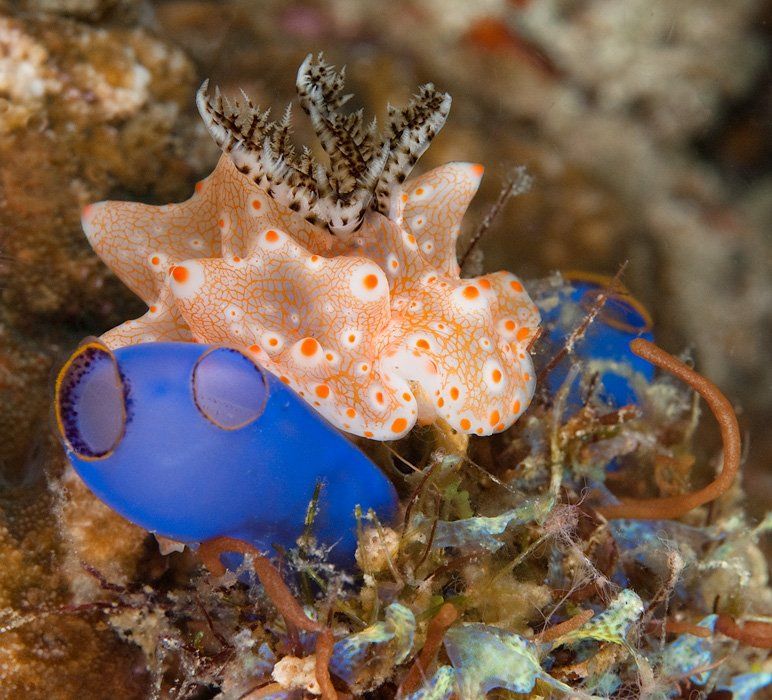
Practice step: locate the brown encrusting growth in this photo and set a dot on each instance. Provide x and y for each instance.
(439, 624)
(281, 596)
(676, 506)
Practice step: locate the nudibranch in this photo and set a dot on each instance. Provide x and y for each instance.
(340, 279)
(195, 442)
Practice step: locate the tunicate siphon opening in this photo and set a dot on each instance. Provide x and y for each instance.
(228, 388)
(90, 402)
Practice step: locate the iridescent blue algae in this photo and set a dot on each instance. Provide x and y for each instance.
(193, 442)
(606, 340)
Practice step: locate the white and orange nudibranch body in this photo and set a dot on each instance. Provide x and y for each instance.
(366, 318)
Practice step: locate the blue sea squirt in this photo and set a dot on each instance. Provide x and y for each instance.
(195, 442)
(603, 344)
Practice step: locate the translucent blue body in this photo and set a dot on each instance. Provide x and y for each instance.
(607, 338)
(210, 445)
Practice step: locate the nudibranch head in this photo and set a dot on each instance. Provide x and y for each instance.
(194, 442)
(340, 280)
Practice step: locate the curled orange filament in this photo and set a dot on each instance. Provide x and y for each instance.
(676, 506)
(678, 627)
(752, 633)
(562, 628)
(435, 633)
(282, 598)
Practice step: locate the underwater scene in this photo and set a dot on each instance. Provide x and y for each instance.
(356, 349)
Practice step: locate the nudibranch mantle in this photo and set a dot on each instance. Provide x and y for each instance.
(370, 321)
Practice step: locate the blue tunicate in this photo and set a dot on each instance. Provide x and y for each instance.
(605, 343)
(194, 442)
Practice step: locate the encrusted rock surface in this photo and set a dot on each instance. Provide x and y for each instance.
(86, 112)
